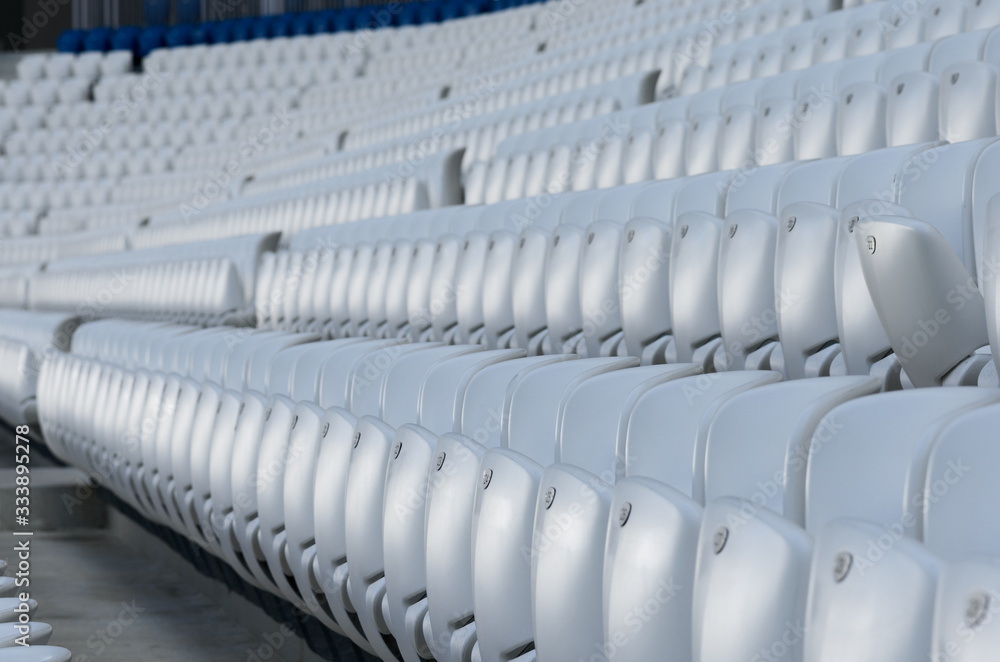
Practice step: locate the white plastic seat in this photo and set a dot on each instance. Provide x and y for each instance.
(927, 358)
(957, 471)
(963, 625)
(574, 500)
(890, 488)
(37, 654)
(505, 505)
(851, 578)
(38, 634)
(738, 545)
(771, 470)
(449, 507)
(375, 442)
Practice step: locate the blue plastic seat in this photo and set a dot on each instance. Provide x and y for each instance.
(179, 35)
(220, 32)
(409, 15)
(302, 24)
(281, 26)
(242, 29)
(126, 39)
(346, 19)
(323, 21)
(152, 38)
(261, 28)
(97, 40)
(70, 41)
(199, 33)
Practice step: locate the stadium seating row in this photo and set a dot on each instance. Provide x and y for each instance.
(578, 331)
(351, 475)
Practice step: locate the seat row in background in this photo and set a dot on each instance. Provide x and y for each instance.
(729, 270)
(169, 107)
(531, 360)
(735, 143)
(843, 108)
(293, 23)
(764, 269)
(463, 503)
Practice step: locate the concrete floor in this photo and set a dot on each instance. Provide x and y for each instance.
(105, 602)
(112, 601)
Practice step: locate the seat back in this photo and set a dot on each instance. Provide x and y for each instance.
(747, 313)
(852, 574)
(737, 545)
(768, 465)
(862, 339)
(645, 277)
(645, 512)
(890, 488)
(532, 405)
(694, 260)
(964, 625)
(905, 293)
(402, 387)
(955, 523)
(592, 422)
(804, 284)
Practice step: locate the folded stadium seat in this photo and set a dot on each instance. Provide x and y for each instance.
(38, 634)
(449, 579)
(948, 358)
(951, 529)
(37, 654)
(643, 507)
(262, 457)
(443, 391)
(503, 516)
(646, 323)
(850, 569)
(865, 348)
(746, 291)
(326, 564)
(295, 545)
(894, 479)
(8, 606)
(737, 543)
(366, 479)
(965, 597)
(224, 503)
(560, 280)
(573, 507)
